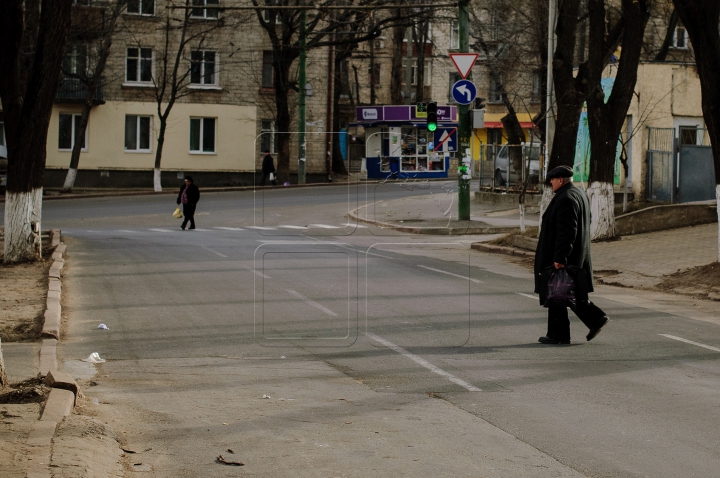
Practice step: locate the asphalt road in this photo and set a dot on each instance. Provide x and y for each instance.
(392, 354)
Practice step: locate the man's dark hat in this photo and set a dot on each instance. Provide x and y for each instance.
(560, 172)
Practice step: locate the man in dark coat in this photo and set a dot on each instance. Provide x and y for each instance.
(565, 242)
(267, 167)
(189, 196)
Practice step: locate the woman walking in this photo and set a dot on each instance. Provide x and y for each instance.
(189, 196)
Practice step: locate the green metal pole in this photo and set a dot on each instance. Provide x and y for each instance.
(463, 122)
(301, 101)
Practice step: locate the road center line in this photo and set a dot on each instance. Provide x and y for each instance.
(691, 342)
(529, 296)
(214, 252)
(312, 302)
(451, 274)
(424, 363)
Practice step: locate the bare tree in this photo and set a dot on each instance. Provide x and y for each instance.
(700, 18)
(32, 43)
(91, 36)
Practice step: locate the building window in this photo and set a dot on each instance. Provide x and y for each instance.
(494, 136)
(268, 71)
(68, 126)
(535, 94)
(76, 60)
(205, 12)
(203, 69)
(495, 91)
(453, 78)
(374, 75)
(268, 136)
(680, 38)
(137, 133)
(426, 75)
(202, 135)
(139, 65)
(141, 7)
(454, 35)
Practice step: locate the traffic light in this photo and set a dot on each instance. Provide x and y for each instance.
(479, 103)
(432, 116)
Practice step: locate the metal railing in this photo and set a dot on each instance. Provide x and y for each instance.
(72, 89)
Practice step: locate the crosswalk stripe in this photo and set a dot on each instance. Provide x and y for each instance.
(230, 228)
(324, 226)
(128, 231)
(160, 230)
(294, 227)
(262, 228)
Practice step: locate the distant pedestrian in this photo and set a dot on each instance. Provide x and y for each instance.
(268, 168)
(565, 243)
(189, 196)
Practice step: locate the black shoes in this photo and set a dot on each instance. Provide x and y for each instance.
(553, 341)
(183, 228)
(593, 332)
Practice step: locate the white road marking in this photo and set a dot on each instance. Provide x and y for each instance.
(424, 363)
(214, 252)
(161, 230)
(451, 274)
(258, 273)
(128, 231)
(691, 342)
(529, 296)
(312, 302)
(294, 227)
(202, 230)
(324, 226)
(378, 255)
(229, 228)
(262, 228)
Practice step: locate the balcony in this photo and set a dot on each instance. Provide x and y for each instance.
(72, 90)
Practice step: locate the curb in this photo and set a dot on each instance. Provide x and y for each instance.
(510, 251)
(437, 231)
(64, 390)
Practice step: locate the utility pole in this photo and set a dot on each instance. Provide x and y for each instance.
(301, 99)
(463, 119)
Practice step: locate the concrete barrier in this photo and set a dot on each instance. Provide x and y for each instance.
(660, 218)
(509, 199)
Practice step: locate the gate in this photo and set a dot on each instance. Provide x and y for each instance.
(661, 142)
(696, 172)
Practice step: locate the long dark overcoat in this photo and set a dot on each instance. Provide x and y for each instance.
(565, 238)
(267, 165)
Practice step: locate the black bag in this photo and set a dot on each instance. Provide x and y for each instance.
(560, 289)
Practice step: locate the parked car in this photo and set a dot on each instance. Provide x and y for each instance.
(502, 159)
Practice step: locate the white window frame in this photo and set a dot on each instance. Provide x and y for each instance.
(207, 13)
(454, 35)
(139, 81)
(685, 38)
(273, 136)
(72, 133)
(202, 135)
(215, 85)
(427, 78)
(140, 8)
(494, 95)
(138, 149)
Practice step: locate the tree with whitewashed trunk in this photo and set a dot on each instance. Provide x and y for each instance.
(32, 45)
(607, 113)
(700, 18)
(89, 41)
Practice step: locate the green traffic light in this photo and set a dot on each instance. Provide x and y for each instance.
(431, 126)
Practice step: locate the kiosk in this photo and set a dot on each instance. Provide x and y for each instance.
(398, 144)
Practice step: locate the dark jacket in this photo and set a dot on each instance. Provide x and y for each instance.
(565, 238)
(267, 165)
(193, 194)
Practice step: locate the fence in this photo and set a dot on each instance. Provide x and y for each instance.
(507, 167)
(661, 144)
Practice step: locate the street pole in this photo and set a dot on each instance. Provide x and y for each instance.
(463, 122)
(301, 100)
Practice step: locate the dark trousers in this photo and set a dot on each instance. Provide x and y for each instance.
(189, 213)
(264, 177)
(559, 324)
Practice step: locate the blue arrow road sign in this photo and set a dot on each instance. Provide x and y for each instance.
(445, 140)
(464, 92)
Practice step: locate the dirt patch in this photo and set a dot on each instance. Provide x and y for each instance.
(702, 282)
(23, 300)
(29, 391)
(507, 241)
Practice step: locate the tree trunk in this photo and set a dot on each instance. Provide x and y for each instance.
(3, 374)
(157, 182)
(700, 18)
(396, 69)
(602, 207)
(23, 212)
(77, 145)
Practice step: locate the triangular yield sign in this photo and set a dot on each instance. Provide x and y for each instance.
(464, 62)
